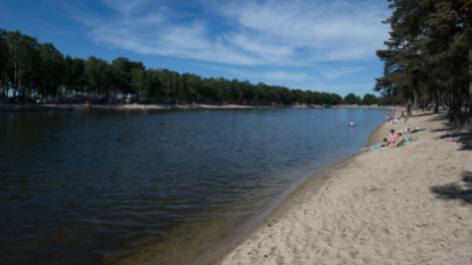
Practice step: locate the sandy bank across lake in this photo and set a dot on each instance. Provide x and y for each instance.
(8, 107)
(407, 205)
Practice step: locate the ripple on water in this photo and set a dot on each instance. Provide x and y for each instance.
(131, 187)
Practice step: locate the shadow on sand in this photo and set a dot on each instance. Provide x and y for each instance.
(439, 117)
(454, 134)
(455, 191)
(463, 138)
(419, 114)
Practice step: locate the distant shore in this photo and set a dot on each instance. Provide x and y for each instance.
(406, 205)
(6, 107)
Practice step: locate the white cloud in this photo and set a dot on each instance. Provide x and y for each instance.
(266, 51)
(284, 76)
(273, 32)
(343, 89)
(127, 7)
(277, 76)
(340, 72)
(334, 30)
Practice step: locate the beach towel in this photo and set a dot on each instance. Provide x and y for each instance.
(375, 146)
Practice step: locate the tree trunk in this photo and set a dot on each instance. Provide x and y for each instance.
(444, 99)
(469, 35)
(454, 108)
(14, 89)
(46, 90)
(415, 98)
(8, 87)
(5, 91)
(469, 118)
(408, 108)
(19, 82)
(450, 114)
(436, 102)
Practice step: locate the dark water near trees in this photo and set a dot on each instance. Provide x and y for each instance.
(128, 187)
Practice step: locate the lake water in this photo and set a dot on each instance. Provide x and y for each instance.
(135, 187)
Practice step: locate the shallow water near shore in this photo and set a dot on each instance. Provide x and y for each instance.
(155, 187)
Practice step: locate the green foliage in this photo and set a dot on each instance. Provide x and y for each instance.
(52, 69)
(369, 99)
(427, 53)
(28, 66)
(154, 88)
(350, 99)
(138, 81)
(4, 55)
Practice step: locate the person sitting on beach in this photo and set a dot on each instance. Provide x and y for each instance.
(377, 146)
(392, 137)
(398, 142)
(395, 120)
(384, 143)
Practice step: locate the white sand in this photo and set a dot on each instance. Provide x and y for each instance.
(379, 207)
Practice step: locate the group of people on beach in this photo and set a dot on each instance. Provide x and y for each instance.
(395, 139)
(401, 118)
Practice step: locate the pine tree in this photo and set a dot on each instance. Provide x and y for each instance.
(403, 62)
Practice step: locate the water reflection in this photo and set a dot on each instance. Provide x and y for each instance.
(130, 187)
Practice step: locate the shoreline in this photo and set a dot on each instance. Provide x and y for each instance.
(236, 234)
(273, 212)
(311, 184)
(12, 108)
(279, 207)
(270, 243)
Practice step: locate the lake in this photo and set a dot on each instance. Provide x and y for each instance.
(162, 187)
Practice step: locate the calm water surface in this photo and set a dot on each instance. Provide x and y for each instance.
(134, 187)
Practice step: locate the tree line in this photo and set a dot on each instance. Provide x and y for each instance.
(368, 99)
(429, 54)
(32, 69)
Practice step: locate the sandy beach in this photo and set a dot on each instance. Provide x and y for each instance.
(406, 205)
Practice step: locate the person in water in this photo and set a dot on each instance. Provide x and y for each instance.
(351, 124)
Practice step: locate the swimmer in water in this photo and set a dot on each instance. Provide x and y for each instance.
(351, 124)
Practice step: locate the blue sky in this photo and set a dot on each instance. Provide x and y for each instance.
(314, 45)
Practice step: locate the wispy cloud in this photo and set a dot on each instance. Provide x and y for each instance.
(275, 76)
(273, 32)
(284, 76)
(128, 7)
(328, 30)
(340, 72)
